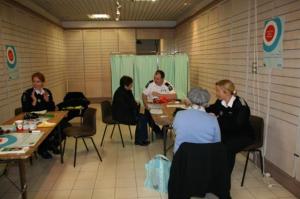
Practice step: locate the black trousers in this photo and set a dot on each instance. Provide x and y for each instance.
(141, 131)
(234, 145)
(152, 124)
(52, 141)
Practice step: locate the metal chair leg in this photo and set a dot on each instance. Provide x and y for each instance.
(121, 135)
(75, 153)
(31, 161)
(112, 131)
(245, 169)
(85, 144)
(261, 161)
(96, 149)
(64, 147)
(103, 135)
(130, 131)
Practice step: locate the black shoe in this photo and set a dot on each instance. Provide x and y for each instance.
(45, 154)
(143, 143)
(55, 150)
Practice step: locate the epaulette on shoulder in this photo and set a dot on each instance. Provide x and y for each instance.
(169, 86)
(148, 83)
(242, 101)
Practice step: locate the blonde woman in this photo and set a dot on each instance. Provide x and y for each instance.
(39, 98)
(233, 115)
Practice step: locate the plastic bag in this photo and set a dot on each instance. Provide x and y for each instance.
(158, 172)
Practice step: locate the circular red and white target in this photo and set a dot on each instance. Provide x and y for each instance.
(11, 56)
(6, 140)
(3, 140)
(270, 33)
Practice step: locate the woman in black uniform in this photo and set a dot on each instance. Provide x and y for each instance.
(39, 98)
(233, 115)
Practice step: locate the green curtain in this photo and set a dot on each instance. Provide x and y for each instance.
(167, 64)
(144, 69)
(181, 75)
(121, 65)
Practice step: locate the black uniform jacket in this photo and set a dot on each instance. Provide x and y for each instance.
(41, 103)
(233, 121)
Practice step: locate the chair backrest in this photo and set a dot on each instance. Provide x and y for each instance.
(257, 124)
(74, 95)
(89, 118)
(18, 111)
(198, 169)
(106, 109)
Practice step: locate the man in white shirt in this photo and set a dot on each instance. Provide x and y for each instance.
(155, 89)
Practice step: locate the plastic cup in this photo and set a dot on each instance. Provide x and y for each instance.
(19, 125)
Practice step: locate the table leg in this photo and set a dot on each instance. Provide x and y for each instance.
(165, 131)
(22, 174)
(60, 144)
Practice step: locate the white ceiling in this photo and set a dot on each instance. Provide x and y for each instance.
(73, 13)
(77, 10)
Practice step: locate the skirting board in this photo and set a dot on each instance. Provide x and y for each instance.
(283, 178)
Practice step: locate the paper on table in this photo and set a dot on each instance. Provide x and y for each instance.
(156, 111)
(8, 150)
(176, 106)
(154, 106)
(46, 124)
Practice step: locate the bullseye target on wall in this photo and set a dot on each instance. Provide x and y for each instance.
(272, 42)
(11, 57)
(272, 34)
(11, 61)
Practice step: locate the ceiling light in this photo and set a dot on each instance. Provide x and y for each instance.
(118, 13)
(99, 16)
(144, 0)
(187, 3)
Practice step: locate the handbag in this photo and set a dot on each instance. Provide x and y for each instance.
(158, 172)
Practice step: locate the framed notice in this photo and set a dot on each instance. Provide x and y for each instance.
(11, 62)
(272, 42)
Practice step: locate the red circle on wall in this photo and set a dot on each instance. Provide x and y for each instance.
(10, 55)
(270, 33)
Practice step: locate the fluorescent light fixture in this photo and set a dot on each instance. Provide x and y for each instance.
(99, 16)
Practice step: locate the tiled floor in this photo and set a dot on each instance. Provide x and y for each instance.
(120, 175)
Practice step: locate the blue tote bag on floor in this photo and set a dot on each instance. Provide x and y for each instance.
(158, 172)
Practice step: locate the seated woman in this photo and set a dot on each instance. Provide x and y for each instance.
(39, 98)
(126, 111)
(233, 115)
(194, 125)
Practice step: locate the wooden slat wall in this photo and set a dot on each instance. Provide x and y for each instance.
(40, 47)
(220, 44)
(88, 55)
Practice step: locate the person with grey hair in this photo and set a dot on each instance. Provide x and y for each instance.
(194, 125)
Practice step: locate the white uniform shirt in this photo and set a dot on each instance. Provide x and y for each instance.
(165, 88)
